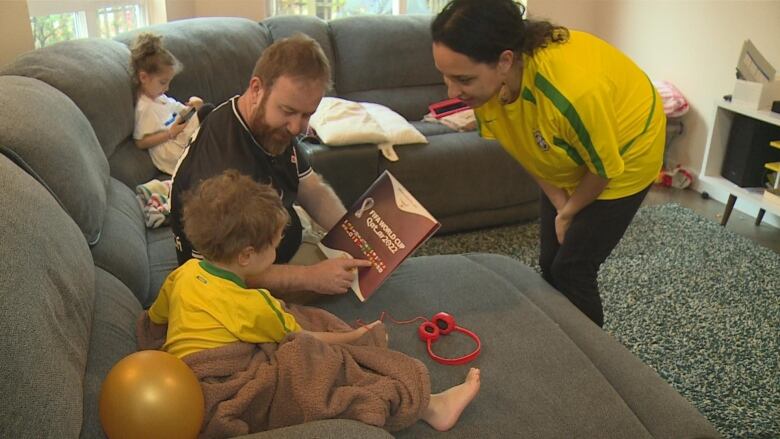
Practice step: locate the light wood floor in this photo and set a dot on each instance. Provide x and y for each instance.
(765, 234)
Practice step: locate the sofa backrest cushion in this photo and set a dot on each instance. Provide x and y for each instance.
(388, 61)
(93, 73)
(46, 306)
(287, 25)
(217, 55)
(45, 128)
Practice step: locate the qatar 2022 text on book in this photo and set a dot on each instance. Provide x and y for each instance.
(385, 225)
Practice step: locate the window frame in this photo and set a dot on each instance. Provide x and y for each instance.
(399, 7)
(88, 9)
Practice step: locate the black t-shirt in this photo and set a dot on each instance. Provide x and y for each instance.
(224, 142)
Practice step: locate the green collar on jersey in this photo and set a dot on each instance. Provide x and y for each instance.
(224, 274)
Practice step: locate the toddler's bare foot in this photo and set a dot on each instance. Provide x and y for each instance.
(445, 408)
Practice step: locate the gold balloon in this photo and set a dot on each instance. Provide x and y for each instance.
(151, 394)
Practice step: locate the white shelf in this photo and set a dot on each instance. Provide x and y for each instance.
(749, 195)
(765, 116)
(749, 200)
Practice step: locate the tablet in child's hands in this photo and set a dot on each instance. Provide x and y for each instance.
(186, 114)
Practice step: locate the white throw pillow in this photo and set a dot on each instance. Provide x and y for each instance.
(341, 122)
(399, 131)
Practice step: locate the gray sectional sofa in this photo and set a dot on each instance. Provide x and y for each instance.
(77, 264)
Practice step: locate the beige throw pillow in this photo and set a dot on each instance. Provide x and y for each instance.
(340, 122)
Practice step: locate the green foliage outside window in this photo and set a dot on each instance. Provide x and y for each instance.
(53, 28)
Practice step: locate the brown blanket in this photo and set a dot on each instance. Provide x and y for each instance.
(249, 388)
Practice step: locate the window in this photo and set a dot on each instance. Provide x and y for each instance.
(53, 21)
(328, 9)
(52, 28)
(114, 20)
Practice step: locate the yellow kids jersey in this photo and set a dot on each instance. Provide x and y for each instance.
(207, 307)
(583, 106)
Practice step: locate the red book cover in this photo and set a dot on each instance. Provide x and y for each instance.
(385, 225)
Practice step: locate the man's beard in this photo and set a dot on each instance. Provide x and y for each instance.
(273, 140)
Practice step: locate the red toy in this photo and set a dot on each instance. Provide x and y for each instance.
(430, 330)
(447, 107)
(443, 324)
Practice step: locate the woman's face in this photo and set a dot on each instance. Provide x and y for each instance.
(472, 82)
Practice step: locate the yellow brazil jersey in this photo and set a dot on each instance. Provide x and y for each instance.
(207, 307)
(583, 106)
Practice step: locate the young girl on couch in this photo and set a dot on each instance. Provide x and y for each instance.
(335, 372)
(162, 124)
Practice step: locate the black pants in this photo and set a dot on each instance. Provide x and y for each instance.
(572, 268)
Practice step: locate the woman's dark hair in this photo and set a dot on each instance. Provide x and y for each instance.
(482, 29)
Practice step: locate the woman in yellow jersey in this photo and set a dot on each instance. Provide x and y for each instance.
(580, 117)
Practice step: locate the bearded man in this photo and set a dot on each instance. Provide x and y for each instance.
(256, 134)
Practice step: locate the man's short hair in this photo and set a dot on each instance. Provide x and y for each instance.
(229, 212)
(298, 56)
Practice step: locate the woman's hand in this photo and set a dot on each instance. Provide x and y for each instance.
(562, 223)
(558, 198)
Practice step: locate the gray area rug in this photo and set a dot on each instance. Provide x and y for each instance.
(694, 301)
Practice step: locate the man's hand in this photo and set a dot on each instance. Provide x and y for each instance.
(334, 276)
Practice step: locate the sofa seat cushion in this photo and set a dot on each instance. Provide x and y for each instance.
(429, 129)
(113, 338)
(58, 149)
(478, 173)
(557, 389)
(350, 171)
(47, 291)
(162, 259)
(122, 249)
(664, 412)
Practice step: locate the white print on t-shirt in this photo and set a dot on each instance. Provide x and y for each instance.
(155, 115)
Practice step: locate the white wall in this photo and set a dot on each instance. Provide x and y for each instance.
(695, 45)
(15, 30)
(180, 9)
(576, 14)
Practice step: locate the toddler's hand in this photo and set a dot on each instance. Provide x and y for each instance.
(359, 332)
(175, 129)
(370, 326)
